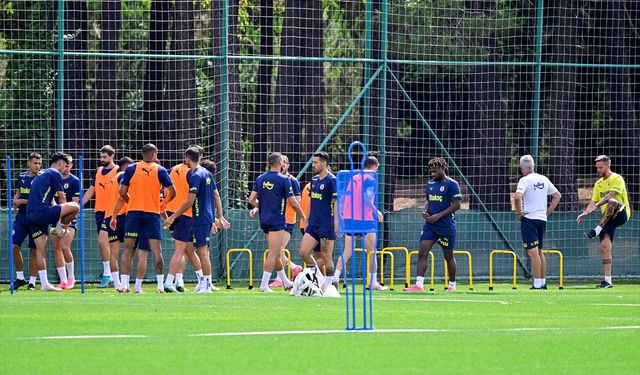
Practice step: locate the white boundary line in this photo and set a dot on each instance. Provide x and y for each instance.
(443, 300)
(320, 331)
(92, 337)
(616, 304)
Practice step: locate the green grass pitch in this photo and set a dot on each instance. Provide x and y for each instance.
(577, 330)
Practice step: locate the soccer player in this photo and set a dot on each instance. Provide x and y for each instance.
(368, 188)
(41, 213)
(116, 212)
(201, 200)
(21, 224)
(181, 231)
(532, 212)
(140, 189)
(290, 222)
(270, 191)
(62, 245)
(103, 175)
(610, 195)
(323, 224)
(443, 199)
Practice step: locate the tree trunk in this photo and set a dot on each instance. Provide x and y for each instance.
(107, 77)
(155, 119)
(558, 107)
(76, 129)
(181, 86)
(259, 138)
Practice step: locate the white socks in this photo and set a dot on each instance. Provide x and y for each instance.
(106, 268)
(170, 279)
(452, 284)
(32, 280)
(160, 280)
(264, 284)
(138, 284)
(179, 280)
(336, 275)
(43, 278)
(538, 283)
(20, 275)
(420, 281)
(283, 277)
(124, 281)
(70, 270)
(598, 229)
(62, 272)
(608, 279)
(115, 276)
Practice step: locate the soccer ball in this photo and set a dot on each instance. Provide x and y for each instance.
(307, 283)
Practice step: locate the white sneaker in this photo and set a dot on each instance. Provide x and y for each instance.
(205, 290)
(377, 286)
(50, 288)
(266, 290)
(215, 288)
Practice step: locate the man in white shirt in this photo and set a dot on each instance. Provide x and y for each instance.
(532, 212)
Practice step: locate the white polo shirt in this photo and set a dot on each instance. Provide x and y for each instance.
(535, 189)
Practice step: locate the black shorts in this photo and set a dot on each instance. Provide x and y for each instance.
(610, 227)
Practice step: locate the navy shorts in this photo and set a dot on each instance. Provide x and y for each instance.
(201, 234)
(446, 240)
(532, 233)
(99, 220)
(610, 227)
(40, 220)
(74, 223)
(142, 244)
(289, 228)
(319, 233)
(272, 227)
(143, 227)
(21, 231)
(182, 229)
(118, 234)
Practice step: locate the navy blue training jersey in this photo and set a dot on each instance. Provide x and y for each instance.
(323, 192)
(440, 194)
(24, 188)
(43, 189)
(71, 186)
(273, 189)
(202, 184)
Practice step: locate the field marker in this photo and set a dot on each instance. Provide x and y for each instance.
(320, 331)
(92, 337)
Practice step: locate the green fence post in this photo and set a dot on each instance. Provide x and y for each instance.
(537, 81)
(60, 80)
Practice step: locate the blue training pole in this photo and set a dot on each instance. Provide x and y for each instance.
(10, 223)
(81, 226)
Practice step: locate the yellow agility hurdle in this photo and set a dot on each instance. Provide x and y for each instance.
(264, 260)
(491, 266)
(559, 253)
(433, 264)
(446, 271)
(406, 262)
(229, 266)
(382, 253)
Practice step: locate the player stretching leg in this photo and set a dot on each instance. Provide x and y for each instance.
(443, 199)
(62, 245)
(610, 194)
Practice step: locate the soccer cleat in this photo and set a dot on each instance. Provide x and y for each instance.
(159, 290)
(414, 288)
(137, 291)
(544, 286)
(18, 283)
(377, 286)
(295, 271)
(105, 282)
(71, 282)
(62, 285)
(450, 289)
(50, 288)
(534, 288)
(31, 287)
(168, 288)
(214, 288)
(277, 283)
(266, 290)
(604, 285)
(180, 288)
(591, 234)
(204, 290)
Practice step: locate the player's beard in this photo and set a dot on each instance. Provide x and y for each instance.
(104, 163)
